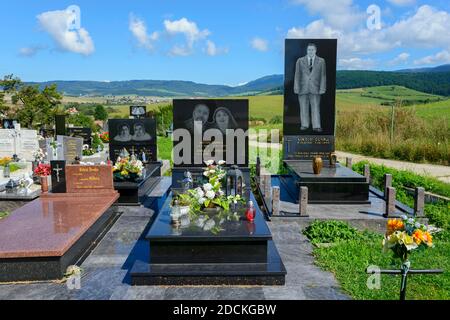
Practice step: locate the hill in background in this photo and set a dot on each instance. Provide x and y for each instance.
(435, 81)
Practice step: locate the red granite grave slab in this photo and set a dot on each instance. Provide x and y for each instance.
(88, 179)
(50, 225)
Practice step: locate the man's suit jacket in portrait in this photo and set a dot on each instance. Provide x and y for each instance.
(314, 82)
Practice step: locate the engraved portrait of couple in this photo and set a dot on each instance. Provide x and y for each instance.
(221, 119)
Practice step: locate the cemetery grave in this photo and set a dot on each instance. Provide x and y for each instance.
(207, 227)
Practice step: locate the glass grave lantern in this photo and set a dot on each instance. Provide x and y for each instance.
(234, 181)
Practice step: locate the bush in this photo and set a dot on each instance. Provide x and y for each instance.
(97, 142)
(276, 120)
(330, 231)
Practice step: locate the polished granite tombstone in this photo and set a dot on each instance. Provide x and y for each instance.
(334, 185)
(41, 239)
(58, 174)
(137, 193)
(227, 251)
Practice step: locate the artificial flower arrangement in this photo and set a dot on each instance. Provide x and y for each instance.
(5, 161)
(42, 170)
(210, 195)
(39, 155)
(128, 169)
(406, 235)
(104, 137)
(88, 151)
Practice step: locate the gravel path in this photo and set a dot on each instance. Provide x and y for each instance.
(437, 171)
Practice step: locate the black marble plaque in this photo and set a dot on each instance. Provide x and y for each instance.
(138, 111)
(58, 176)
(307, 147)
(60, 125)
(211, 127)
(309, 97)
(85, 133)
(135, 135)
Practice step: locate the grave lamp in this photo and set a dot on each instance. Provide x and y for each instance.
(234, 181)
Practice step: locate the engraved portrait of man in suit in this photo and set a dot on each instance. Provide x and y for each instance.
(309, 85)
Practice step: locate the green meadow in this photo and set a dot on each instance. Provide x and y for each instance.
(363, 125)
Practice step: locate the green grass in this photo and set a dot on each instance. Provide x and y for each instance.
(352, 251)
(3, 214)
(348, 260)
(165, 148)
(434, 111)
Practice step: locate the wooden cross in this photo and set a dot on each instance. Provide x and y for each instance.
(57, 169)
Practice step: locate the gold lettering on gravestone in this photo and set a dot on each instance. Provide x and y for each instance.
(81, 178)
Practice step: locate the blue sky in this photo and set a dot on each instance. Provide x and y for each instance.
(216, 42)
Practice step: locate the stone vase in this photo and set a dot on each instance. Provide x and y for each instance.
(317, 165)
(333, 159)
(44, 184)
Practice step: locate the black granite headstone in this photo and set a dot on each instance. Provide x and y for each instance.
(58, 176)
(135, 135)
(218, 124)
(309, 98)
(85, 133)
(60, 125)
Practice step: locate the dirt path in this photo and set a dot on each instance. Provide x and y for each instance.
(440, 172)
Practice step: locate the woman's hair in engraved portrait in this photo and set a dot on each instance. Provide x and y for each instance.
(223, 119)
(123, 133)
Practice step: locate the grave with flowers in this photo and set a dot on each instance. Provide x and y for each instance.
(210, 230)
(405, 236)
(133, 153)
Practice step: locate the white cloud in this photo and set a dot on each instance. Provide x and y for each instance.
(401, 3)
(57, 24)
(212, 50)
(190, 31)
(402, 58)
(441, 57)
(260, 44)
(356, 64)
(193, 37)
(30, 51)
(426, 28)
(340, 14)
(139, 30)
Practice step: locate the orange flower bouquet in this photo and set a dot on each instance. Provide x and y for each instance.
(406, 235)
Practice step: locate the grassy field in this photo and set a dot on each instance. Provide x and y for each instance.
(363, 123)
(366, 99)
(349, 252)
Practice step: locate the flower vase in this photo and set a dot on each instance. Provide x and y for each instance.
(317, 165)
(44, 184)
